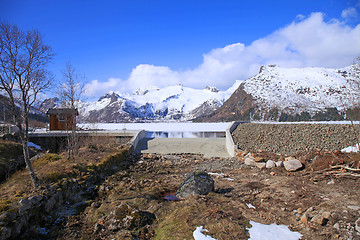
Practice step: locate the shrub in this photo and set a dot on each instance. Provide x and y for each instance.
(330, 114)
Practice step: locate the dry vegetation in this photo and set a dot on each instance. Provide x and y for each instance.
(50, 168)
(278, 196)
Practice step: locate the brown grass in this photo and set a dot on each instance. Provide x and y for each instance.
(182, 218)
(54, 167)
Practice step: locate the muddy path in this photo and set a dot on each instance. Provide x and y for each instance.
(320, 204)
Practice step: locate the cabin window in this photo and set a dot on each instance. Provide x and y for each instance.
(62, 118)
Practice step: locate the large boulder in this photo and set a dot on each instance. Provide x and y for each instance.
(196, 183)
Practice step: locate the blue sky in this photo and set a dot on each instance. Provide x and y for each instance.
(125, 45)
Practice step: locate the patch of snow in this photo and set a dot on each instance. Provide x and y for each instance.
(31, 144)
(198, 234)
(162, 126)
(260, 231)
(229, 179)
(351, 149)
(249, 205)
(216, 174)
(221, 175)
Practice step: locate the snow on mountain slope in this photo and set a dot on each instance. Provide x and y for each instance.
(304, 89)
(275, 90)
(169, 103)
(301, 93)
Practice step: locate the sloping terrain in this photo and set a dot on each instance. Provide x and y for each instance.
(306, 93)
(169, 103)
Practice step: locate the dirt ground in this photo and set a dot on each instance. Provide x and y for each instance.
(317, 201)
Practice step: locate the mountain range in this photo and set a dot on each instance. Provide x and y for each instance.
(293, 94)
(172, 103)
(275, 93)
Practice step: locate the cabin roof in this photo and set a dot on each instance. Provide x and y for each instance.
(62, 111)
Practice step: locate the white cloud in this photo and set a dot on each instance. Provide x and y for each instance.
(150, 75)
(96, 88)
(349, 13)
(308, 41)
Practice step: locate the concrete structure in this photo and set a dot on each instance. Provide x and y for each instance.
(56, 140)
(230, 144)
(209, 147)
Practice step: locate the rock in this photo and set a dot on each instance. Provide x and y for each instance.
(95, 205)
(259, 159)
(336, 226)
(5, 233)
(98, 227)
(331, 181)
(310, 209)
(326, 214)
(270, 164)
(357, 225)
(260, 165)
(127, 216)
(279, 164)
(305, 218)
(50, 204)
(289, 158)
(7, 217)
(319, 219)
(196, 183)
(292, 165)
(355, 208)
(249, 161)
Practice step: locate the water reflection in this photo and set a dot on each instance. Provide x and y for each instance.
(161, 134)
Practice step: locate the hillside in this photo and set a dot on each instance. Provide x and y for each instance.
(282, 94)
(172, 103)
(37, 118)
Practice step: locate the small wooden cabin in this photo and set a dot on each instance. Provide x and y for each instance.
(62, 118)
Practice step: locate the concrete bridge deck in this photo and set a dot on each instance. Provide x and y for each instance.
(210, 147)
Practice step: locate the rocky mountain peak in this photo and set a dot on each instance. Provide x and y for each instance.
(301, 93)
(212, 89)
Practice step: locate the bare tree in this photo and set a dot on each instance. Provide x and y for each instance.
(23, 74)
(70, 94)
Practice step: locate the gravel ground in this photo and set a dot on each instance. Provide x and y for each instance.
(289, 139)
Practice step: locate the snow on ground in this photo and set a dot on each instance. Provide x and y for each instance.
(198, 234)
(31, 144)
(221, 175)
(260, 231)
(312, 122)
(229, 179)
(216, 174)
(161, 126)
(184, 126)
(249, 205)
(351, 149)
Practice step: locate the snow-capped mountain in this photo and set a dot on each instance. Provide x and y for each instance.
(276, 90)
(169, 103)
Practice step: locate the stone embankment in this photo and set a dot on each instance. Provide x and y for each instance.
(289, 139)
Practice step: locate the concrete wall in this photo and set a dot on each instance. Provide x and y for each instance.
(56, 141)
(230, 144)
(136, 139)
